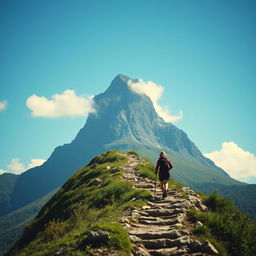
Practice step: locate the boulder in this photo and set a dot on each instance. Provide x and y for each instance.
(124, 220)
(209, 248)
(97, 181)
(99, 236)
(195, 246)
(114, 170)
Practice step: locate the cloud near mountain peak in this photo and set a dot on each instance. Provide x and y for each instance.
(3, 105)
(154, 92)
(238, 163)
(60, 105)
(17, 167)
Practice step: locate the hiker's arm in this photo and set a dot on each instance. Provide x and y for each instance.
(170, 164)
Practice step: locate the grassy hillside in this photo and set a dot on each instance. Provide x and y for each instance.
(231, 232)
(187, 170)
(12, 224)
(92, 199)
(204, 179)
(95, 198)
(242, 196)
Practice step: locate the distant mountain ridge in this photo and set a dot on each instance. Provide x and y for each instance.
(124, 120)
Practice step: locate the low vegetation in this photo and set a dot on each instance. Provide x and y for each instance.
(147, 170)
(92, 199)
(132, 152)
(95, 198)
(231, 231)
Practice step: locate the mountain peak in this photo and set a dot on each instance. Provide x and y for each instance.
(120, 84)
(122, 77)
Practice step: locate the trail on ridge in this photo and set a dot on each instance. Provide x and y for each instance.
(161, 227)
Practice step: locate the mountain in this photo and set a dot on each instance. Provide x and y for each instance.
(107, 208)
(12, 224)
(124, 120)
(7, 184)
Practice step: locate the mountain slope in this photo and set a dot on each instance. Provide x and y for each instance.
(124, 120)
(7, 184)
(91, 199)
(12, 224)
(92, 210)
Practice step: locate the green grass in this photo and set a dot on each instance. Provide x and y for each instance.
(119, 238)
(132, 152)
(147, 170)
(94, 198)
(232, 232)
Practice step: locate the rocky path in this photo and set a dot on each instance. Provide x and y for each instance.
(161, 228)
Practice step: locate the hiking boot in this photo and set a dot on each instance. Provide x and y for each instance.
(164, 194)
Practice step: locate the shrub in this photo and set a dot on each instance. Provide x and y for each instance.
(108, 157)
(201, 230)
(119, 238)
(132, 152)
(54, 230)
(217, 203)
(146, 170)
(134, 198)
(111, 193)
(226, 225)
(176, 185)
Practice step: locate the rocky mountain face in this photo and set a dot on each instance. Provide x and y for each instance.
(124, 120)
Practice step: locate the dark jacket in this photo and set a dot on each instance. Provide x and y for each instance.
(163, 164)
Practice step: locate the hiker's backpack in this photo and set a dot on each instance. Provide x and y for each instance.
(164, 165)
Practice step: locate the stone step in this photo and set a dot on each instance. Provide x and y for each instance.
(163, 217)
(155, 234)
(159, 212)
(162, 212)
(174, 205)
(175, 251)
(146, 228)
(158, 221)
(131, 178)
(166, 242)
(144, 185)
(167, 200)
(157, 202)
(172, 216)
(185, 205)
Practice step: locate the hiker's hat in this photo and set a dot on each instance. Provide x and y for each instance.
(163, 153)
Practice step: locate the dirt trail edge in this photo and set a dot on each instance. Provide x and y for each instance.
(161, 227)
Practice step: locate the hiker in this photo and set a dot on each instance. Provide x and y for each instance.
(163, 167)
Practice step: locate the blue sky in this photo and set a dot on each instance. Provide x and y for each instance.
(201, 52)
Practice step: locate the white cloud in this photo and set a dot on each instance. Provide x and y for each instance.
(2, 171)
(16, 167)
(154, 92)
(35, 162)
(65, 104)
(238, 163)
(3, 105)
